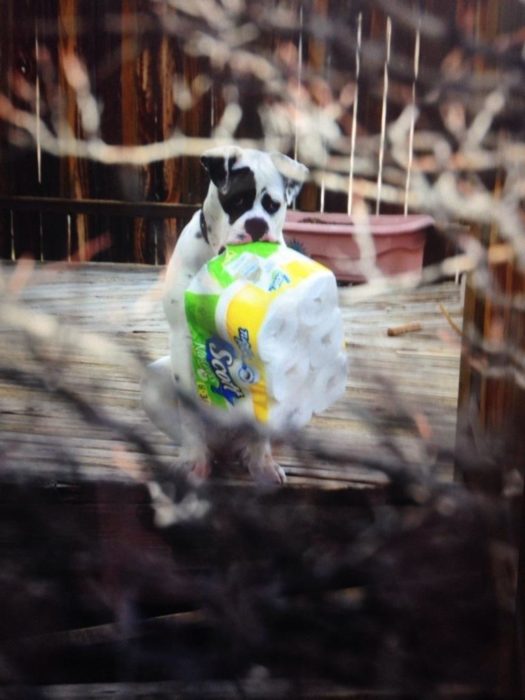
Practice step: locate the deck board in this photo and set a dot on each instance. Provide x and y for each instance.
(415, 374)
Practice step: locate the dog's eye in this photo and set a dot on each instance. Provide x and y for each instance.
(270, 205)
(237, 200)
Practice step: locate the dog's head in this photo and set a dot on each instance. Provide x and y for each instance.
(248, 194)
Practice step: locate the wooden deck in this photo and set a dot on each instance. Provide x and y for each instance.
(400, 399)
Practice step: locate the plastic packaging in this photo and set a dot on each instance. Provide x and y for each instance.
(267, 335)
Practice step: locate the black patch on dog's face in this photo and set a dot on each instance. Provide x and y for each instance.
(240, 195)
(218, 169)
(270, 205)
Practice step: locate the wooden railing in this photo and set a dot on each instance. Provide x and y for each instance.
(116, 221)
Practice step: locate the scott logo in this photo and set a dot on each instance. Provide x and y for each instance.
(220, 356)
(242, 340)
(248, 374)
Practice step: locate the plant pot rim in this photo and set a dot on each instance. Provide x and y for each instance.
(339, 223)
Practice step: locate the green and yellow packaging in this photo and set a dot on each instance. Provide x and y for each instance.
(257, 315)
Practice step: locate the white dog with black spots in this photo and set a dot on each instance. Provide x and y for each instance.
(246, 201)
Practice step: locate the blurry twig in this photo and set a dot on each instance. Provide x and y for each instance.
(450, 320)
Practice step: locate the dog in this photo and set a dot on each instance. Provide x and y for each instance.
(247, 199)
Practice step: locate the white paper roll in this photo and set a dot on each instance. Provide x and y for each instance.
(286, 380)
(326, 340)
(287, 416)
(278, 332)
(329, 382)
(318, 298)
(293, 362)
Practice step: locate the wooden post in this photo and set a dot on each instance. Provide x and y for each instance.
(54, 226)
(491, 419)
(23, 170)
(6, 54)
(519, 665)
(151, 71)
(74, 180)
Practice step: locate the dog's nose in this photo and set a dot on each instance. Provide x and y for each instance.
(256, 228)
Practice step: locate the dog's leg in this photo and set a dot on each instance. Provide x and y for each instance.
(190, 254)
(163, 407)
(192, 428)
(159, 398)
(257, 457)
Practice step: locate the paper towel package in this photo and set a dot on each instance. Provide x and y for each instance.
(267, 334)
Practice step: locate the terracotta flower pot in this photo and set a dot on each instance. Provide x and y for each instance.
(399, 242)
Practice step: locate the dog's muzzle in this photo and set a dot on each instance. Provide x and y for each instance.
(257, 229)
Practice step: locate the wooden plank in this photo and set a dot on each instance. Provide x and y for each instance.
(54, 225)
(122, 303)
(152, 83)
(46, 440)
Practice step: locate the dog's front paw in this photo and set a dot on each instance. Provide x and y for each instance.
(257, 457)
(268, 472)
(274, 474)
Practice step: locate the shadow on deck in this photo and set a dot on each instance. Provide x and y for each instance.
(310, 591)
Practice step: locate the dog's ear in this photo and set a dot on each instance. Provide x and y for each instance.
(294, 175)
(219, 163)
